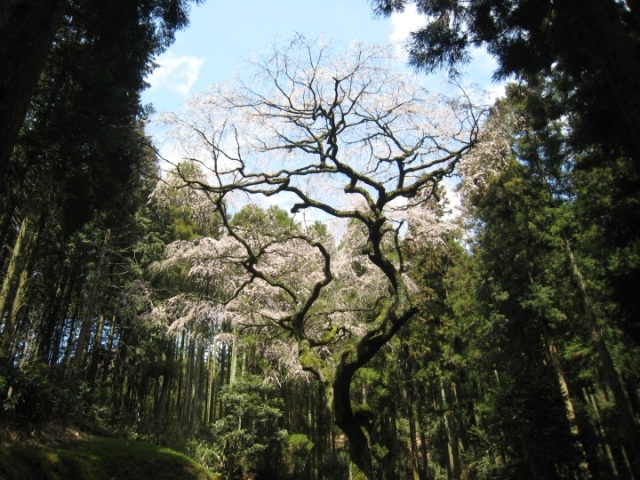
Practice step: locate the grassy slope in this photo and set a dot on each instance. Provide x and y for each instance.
(98, 459)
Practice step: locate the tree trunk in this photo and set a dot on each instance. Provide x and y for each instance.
(161, 406)
(450, 423)
(188, 381)
(75, 313)
(350, 422)
(27, 30)
(196, 407)
(413, 441)
(606, 452)
(90, 306)
(234, 358)
(106, 366)
(18, 302)
(180, 366)
(624, 418)
(213, 385)
(14, 269)
(569, 407)
(96, 352)
(356, 424)
(59, 296)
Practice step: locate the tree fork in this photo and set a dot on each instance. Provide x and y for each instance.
(355, 425)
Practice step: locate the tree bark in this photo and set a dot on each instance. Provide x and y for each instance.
(27, 30)
(234, 358)
(213, 385)
(349, 422)
(569, 406)
(354, 424)
(14, 269)
(602, 435)
(95, 352)
(453, 442)
(90, 306)
(413, 438)
(198, 378)
(18, 302)
(624, 418)
(188, 380)
(161, 407)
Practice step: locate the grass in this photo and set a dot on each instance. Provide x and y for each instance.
(98, 459)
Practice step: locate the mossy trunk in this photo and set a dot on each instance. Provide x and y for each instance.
(15, 273)
(354, 421)
(350, 422)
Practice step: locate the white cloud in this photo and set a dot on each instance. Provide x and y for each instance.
(175, 73)
(479, 71)
(403, 24)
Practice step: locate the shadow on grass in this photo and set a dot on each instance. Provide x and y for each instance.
(98, 459)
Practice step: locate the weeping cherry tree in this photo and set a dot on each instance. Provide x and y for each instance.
(350, 141)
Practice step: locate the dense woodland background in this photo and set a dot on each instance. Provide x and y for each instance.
(501, 345)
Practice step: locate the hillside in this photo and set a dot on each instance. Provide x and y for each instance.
(97, 458)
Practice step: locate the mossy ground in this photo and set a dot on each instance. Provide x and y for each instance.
(98, 458)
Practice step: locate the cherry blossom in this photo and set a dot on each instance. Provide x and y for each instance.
(345, 137)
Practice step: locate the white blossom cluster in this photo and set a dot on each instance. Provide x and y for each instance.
(346, 137)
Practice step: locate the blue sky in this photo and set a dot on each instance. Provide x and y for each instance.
(222, 34)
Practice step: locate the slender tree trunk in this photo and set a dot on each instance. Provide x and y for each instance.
(161, 406)
(625, 420)
(75, 313)
(27, 30)
(234, 358)
(106, 368)
(222, 379)
(60, 303)
(18, 301)
(213, 384)
(604, 444)
(424, 453)
(96, 351)
(453, 450)
(60, 295)
(569, 407)
(412, 443)
(180, 389)
(6, 228)
(90, 306)
(188, 381)
(207, 391)
(14, 270)
(196, 408)
(28, 346)
(20, 294)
